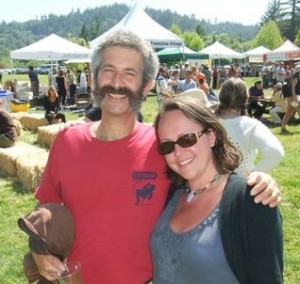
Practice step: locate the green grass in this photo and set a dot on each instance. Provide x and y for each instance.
(24, 77)
(15, 201)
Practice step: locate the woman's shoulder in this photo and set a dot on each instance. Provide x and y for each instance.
(236, 192)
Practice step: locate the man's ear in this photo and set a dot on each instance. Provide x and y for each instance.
(148, 87)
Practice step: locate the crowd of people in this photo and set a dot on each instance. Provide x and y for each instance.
(118, 191)
(282, 78)
(66, 83)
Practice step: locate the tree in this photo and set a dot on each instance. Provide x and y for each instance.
(291, 18)
(193, 40)
(95, 28)
(199, 30)
(274, 13)
(268, 36)
(297, 40)
(175, 29)
(84, 32)
(78, 40)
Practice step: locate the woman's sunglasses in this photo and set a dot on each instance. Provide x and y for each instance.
(184, 141)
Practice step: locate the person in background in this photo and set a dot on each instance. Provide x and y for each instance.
(51, 106)
(183, 69)
(34, 81)
(82, 82)
(207, 73)
(255, 94)
(108, 196)
(71, 82)
(247, 134)
(231, 73)
(187, 83)
(161, 86)
(280, 104)
(62, 88)
(8, 129)
(215, 75)
(51, 76)
(238, 70)
(293, 100)
(265, 76)
(173, 81)
(211, 231)
(202, 85)
(222, 75)
(280, 73)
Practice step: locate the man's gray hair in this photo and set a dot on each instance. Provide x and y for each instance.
(126, 39)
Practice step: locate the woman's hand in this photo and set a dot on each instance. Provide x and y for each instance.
(265, 189)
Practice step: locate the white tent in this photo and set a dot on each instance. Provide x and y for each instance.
(218, 50)
(137, 21)
(256, 54)
(258, 51)
(287, 51)
(51, 48)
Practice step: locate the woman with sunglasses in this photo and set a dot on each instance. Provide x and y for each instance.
(211, 231)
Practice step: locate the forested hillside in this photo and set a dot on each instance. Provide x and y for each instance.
(93, 22)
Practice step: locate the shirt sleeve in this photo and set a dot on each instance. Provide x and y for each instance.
(49, 188)
(163, 85)
(269, 146)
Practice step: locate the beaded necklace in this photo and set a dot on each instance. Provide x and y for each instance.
(192, 193)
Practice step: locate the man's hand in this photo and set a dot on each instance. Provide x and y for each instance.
(265, 189)
(49, 266)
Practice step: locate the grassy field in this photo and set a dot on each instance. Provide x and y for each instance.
(15, 201)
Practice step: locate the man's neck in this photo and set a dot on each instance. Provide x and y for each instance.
(114, 128)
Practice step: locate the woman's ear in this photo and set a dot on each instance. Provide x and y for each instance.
(212, 137)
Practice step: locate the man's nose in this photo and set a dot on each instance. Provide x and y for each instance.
(117, 80)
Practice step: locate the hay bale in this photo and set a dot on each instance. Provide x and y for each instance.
(9, 156)
(25, 162)
(32, 121)
(30, 168)
(18, 115)
(18, 126)
(47, 134)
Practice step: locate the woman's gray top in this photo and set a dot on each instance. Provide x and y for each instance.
(195, 256)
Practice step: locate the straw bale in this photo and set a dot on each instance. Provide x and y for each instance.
(32, 121)
(18, 115)
(19, 126)
(8, 156)
(47, 134)
(30, 168)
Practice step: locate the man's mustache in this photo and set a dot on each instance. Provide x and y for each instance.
(118, 91)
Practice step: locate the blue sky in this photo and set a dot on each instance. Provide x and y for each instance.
(239, 11)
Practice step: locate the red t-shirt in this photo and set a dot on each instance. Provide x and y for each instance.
(115, 191)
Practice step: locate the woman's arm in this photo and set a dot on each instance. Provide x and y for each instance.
(264, 243)
(269, 146)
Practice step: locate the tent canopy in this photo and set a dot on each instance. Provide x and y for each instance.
(287, 51)
(218, 50)
(256, 54)
(258, 51)
(137, 21)
(51, 47)
(182, 53)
